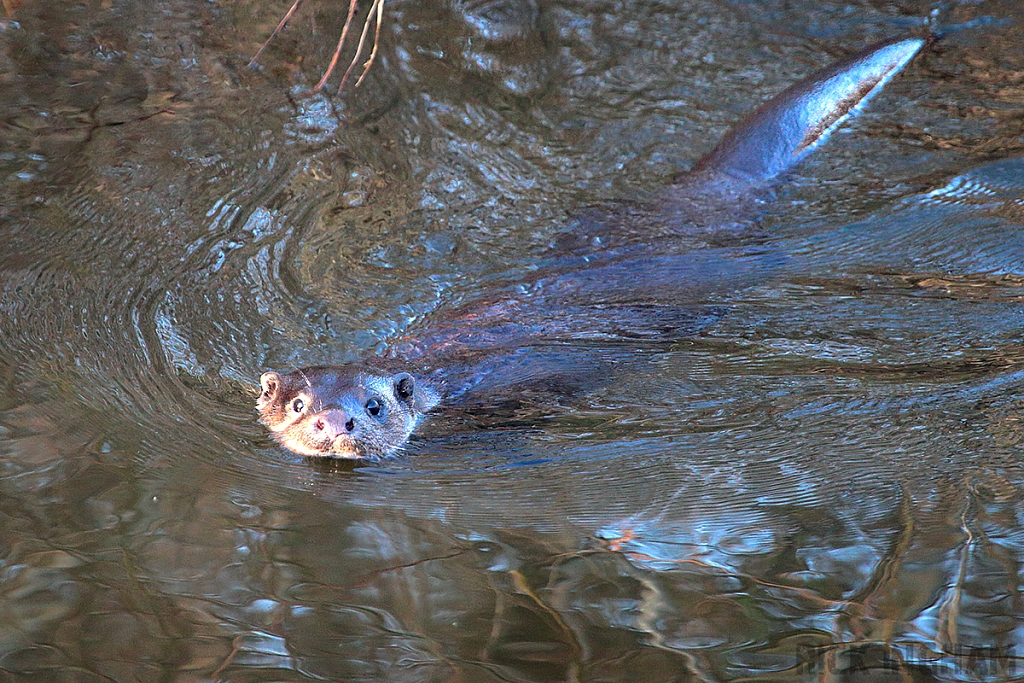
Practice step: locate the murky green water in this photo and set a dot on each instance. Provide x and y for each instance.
(826, 485)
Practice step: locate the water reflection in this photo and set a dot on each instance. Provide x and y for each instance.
(823, 485)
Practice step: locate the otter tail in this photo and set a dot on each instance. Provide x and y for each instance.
(727, 186)
(783, 130)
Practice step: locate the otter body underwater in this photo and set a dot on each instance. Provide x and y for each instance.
(599, 284)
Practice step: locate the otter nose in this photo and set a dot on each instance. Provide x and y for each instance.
(333, 423)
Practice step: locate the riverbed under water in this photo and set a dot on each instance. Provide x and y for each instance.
(825, 485)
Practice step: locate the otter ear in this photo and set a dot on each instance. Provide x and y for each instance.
(271, 383)
(404, 384)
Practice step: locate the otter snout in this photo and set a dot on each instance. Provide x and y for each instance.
(330, 424)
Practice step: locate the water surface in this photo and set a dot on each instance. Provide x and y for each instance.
(824, 485)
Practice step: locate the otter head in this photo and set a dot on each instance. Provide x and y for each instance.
(346, 411)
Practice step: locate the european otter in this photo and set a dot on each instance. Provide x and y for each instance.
(604, 284)
(350, 414)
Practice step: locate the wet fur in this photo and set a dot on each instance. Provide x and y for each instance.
(609, 282)
(402, 399)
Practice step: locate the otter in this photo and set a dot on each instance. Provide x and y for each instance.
(355, 413)
(607, 279)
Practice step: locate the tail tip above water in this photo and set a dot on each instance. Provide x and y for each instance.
(786, 128)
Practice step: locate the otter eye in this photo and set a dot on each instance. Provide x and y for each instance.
(373, 407)
(298, 404)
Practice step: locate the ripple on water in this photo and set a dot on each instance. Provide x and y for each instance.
(837, 457)
(971, 225)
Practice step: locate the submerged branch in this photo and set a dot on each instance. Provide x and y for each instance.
(280, 27)
(337, 50)
(376, 10)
